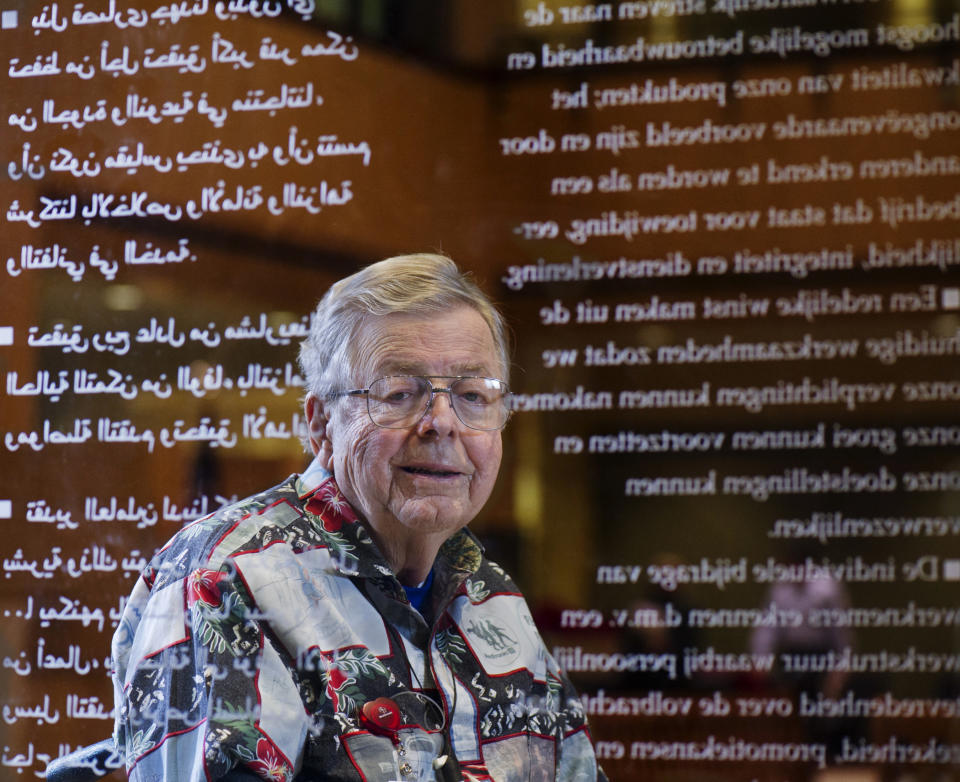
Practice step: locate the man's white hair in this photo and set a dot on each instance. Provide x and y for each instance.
(421, 284)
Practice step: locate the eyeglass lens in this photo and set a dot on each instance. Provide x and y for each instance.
(399, 401)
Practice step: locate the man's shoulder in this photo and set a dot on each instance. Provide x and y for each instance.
(246, 526)
(496, 580)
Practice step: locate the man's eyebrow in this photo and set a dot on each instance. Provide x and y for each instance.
(390, 368)
(470, 369)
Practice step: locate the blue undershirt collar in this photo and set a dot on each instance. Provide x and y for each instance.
(418, 595)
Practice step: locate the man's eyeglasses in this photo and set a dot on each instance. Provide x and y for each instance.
(399, 401)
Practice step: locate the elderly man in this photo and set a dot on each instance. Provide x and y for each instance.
(345, 625)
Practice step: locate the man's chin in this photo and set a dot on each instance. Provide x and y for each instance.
(431, 514)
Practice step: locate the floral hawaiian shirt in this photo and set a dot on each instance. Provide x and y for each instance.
(273, 635)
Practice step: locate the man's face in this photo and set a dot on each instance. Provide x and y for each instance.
(434, 476)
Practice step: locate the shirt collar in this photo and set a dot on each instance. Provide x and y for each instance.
(312, 477)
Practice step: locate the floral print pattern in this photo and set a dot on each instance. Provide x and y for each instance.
(256, 636)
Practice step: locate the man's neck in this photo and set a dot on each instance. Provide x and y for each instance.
(411, 557)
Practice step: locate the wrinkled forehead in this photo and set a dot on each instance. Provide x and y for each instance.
(457, 341)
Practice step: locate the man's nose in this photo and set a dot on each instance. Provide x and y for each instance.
(440, 416)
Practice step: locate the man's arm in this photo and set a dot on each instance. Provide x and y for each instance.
(196, 677)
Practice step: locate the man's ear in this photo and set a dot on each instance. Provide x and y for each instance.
(318, 421)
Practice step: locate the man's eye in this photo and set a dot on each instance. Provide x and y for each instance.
(397, 397)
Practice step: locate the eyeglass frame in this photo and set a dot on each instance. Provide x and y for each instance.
(433, 392)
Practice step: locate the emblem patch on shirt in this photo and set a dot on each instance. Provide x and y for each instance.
(493, 638)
